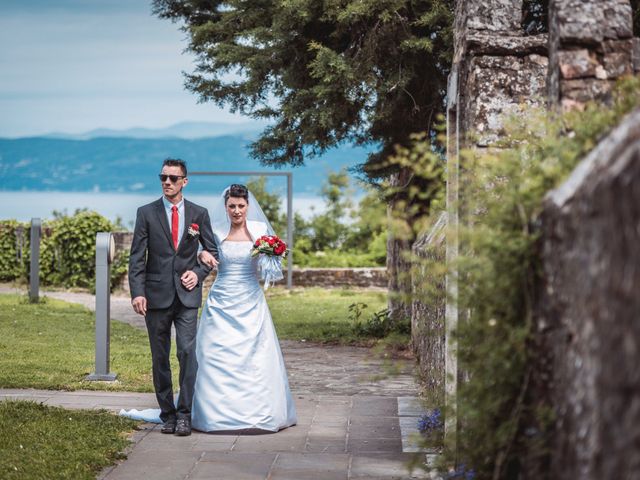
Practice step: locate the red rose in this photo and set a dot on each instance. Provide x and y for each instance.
(271, 240)
(279, 249)
(195, 226)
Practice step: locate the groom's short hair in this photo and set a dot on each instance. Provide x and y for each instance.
(176, 162)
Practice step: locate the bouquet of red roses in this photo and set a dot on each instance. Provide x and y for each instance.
(270, 262)
(270, 245)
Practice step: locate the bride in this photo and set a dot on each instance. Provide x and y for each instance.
(241, 381)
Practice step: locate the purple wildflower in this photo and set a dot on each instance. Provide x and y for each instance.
(431, 422)
(461, 473)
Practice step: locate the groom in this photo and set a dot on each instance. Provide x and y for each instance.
(166, 287)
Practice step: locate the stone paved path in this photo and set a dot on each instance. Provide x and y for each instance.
(337, 437)
(351, 423)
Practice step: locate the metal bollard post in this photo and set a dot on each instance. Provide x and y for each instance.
(34, 270)
(105, 251)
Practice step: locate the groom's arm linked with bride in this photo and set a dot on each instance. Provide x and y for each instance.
(165, 280)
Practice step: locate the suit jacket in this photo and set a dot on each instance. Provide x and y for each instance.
(155, 267)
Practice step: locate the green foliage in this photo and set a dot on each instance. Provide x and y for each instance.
(74, 240)
(425, 194)
(342, 235)
(55, 443)
(329, 229)
(67, 250)
(363, 71)
(502, 194)
(303, 256)
(119, 268)
(378, 325)
(12, 248)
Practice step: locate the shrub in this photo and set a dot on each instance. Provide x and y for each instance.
(67, 251)
(12, 247)
(378, 324)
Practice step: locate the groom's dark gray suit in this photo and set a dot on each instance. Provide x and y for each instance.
(155, 268)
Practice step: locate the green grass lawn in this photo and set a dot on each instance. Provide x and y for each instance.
(320, 315)
(41, 442)
(50, 345)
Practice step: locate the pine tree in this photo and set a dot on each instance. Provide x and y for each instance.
(323, 71)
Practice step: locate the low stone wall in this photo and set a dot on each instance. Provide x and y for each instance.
(302, 277)
(588, 325)
(331, 278)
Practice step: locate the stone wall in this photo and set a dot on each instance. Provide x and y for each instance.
(496, 69)
(591, 45)
(428, 308)
(588, 324)
(331, 278)
(372, 278)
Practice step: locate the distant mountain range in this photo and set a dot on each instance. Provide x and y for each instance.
(186, 130)
(106, 160)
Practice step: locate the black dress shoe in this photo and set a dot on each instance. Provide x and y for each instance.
(169, 427)
(183, 428)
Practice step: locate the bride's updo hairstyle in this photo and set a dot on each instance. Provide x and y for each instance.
(236, 190)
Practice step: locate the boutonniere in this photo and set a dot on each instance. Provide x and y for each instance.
(194, 230)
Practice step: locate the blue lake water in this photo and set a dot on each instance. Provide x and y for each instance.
(23, 206)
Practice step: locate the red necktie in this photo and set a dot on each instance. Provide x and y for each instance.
(174, 226)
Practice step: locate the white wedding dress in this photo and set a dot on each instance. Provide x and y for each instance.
(241, 381)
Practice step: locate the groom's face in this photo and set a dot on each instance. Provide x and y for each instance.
(170, 188)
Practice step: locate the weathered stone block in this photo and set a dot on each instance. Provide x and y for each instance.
(618, 17)
(577, 63)
(589, 22)
(587, 89)
(494, 15)
(497, 87)
(491, 44)
(617, 65)
(577, 21)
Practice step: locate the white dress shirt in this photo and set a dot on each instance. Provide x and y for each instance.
(168, 206)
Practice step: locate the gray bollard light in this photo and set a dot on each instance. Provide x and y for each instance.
(105, 252)
(34, 267)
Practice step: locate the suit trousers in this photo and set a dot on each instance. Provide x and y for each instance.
(159, 329)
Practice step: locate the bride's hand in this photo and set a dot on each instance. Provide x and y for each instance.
(207, 259)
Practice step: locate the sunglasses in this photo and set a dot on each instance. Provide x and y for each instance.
(173, 178)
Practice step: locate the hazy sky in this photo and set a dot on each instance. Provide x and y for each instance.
(75, 65)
